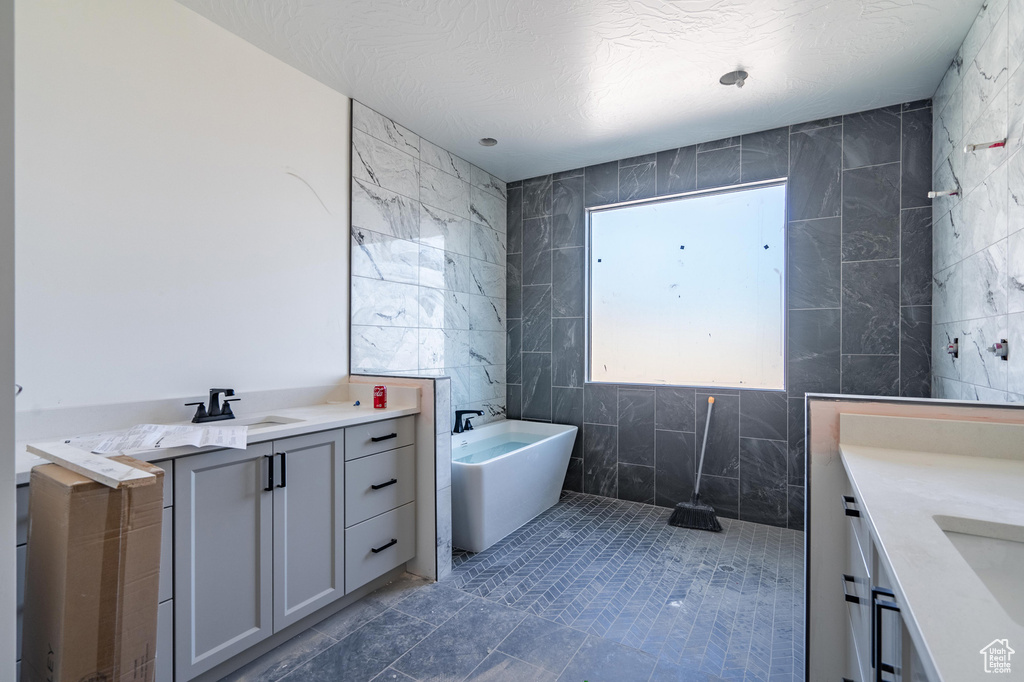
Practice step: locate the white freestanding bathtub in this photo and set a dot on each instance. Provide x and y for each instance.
(504, 474)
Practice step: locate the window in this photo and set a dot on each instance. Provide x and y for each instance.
(690, 290)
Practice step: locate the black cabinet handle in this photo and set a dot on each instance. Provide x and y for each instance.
(883, 600)
(376, 550)
(852, 598)
(847, 501)
(384, 485)
(380, 438)
(284, 470)
(270, 472)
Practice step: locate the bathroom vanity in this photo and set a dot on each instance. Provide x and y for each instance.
(259, 543)
(917, 543)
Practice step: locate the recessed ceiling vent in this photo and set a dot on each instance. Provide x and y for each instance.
(737, 78)
(488, 141)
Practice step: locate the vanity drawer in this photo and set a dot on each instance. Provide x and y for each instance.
(379, 483)
(857, 595)
(368, 439)
(859, 537)
(391, 534)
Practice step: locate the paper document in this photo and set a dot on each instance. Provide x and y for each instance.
(145, 437)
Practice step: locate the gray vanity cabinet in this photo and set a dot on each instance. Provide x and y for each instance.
(259, 543)
(223, 563)
(309, 528)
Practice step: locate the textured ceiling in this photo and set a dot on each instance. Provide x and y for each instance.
(567, 83)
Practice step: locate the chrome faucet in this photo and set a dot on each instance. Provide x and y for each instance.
(459, 427)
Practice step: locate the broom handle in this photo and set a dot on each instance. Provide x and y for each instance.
(700, 467)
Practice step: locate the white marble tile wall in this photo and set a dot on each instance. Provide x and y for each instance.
(978, 240)
(428, 264)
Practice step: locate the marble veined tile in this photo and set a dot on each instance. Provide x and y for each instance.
(947, 130)
(486, 314)
(1015, 52)
(443, 160)
(383, 165)
(385, 304)
(487, 348)
(486, 382)
(487, 209)
(370, 122)
(992, 125)
(1015, 370)
(488, 278)
(951, 80)
(446, 192)
(943, 362)
(384, 211)
(946, 291)
(1015, 193)
(1015, 274)
(979, 366)
(431, 351)
(384, 349)
(946, 239)
(985, 75)
(948, 177)
(447, 231)
(488, 245)
(380, 256)
(488, 183)
(984, 282)
(460, 384)
(985, 213)
(493, 409)
(984, 24)
(441, 309)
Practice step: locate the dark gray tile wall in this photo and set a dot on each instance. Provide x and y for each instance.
(859, 309)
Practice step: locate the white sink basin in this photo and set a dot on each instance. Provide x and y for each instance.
(995, 552)
(255, 423)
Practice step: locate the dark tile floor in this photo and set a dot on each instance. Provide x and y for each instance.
(592, 589)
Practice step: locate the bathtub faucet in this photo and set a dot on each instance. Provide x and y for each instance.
(459, 427)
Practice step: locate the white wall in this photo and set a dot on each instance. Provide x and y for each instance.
(7, 541)
(978, 238)
(182, 209)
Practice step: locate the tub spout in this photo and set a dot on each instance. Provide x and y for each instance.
(459, 426)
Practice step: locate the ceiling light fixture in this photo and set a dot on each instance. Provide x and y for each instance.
(737, 78)
(488, 141)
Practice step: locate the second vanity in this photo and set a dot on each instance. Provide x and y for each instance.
(259, 543)
(933, 580)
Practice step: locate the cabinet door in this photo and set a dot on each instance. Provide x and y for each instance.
(223, 556)
(309, 524)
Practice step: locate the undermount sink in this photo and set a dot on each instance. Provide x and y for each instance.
(995, 552)
(266, 422)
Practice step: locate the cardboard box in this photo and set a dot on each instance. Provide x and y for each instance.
(92, 578)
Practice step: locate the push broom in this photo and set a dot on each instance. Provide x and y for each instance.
(695, 514)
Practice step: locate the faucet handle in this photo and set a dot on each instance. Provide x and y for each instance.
(200, 411)
(226, 410)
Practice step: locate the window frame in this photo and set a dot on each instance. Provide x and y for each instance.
(725, 189)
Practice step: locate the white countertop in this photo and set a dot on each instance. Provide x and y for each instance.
(313, 418)
(905, 472)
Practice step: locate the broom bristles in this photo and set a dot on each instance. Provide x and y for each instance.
(695, 515)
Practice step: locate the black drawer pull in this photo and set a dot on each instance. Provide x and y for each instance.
(270, 473)
(380, 438)
(848, 500)
(384, 485)
(853, 599)
(284, 470)
(376, 550)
